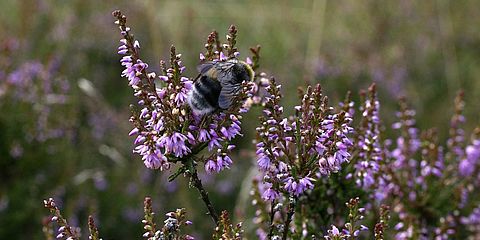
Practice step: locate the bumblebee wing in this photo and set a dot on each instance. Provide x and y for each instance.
(227, 94)
(229, 86)
(204, 67)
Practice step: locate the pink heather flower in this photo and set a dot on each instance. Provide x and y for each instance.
(211, 166)
(214, 142)
(263, 162)
(222, 57)
(203, 135)
(176, 144)
(155, 161)
(472, 159)
(279, 152)
(305, 183)
(291, 186)
(249, 61)
(227, 161)
(269, 194)
(334, 230)
(297, 188)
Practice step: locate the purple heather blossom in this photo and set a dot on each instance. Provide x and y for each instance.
(334, 230)
(402, 159)
(472, 221)
(263, 160)
(472, 159)
(416, 165)
(368, 141)
(39, 87)
(270, 194)
(336, 234)
(299, 187)
(211, 166)
(156, 160)
(175, 144)
(287, 145)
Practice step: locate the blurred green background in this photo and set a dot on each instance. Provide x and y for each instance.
(424, 50)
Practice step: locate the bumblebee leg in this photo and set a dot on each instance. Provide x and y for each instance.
(203, 121)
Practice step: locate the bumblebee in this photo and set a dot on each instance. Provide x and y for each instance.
(217, 84)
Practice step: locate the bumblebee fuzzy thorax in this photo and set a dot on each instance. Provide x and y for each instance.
(217, 84)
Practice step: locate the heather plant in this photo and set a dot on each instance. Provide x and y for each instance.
(59, 138)
(35, 89)
(293, 152)
(427, 186)
(166, 130)
(324, 172)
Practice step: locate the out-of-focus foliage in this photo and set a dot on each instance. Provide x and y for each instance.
(64, 107)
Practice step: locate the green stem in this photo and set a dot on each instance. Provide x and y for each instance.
(197, 183)
(288, 220)
(272, 214)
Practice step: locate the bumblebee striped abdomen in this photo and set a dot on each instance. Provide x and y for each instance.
(205, 94)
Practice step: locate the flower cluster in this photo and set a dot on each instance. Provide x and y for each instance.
(171, 229)
(335, 234)
(416, 166)
(472, 221)
(351, 229)
(65, 231)
(368, 141)
(402, 157)
(382, 225)
(226, 230)
(292, 152)
(457, 135)
(470, 162)
(166, 129)
(94, 235)
(409, 179)
(173, 223)
(36, 89)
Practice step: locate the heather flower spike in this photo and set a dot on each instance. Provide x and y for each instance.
(293, 152)
(172, 225)
(226, 230)
(382, 225)
(415, 166)
(93, 229)
(148, 221)
(368, 145)
(65, 231)
(166, 130)
(457, 134)
(351, 230)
